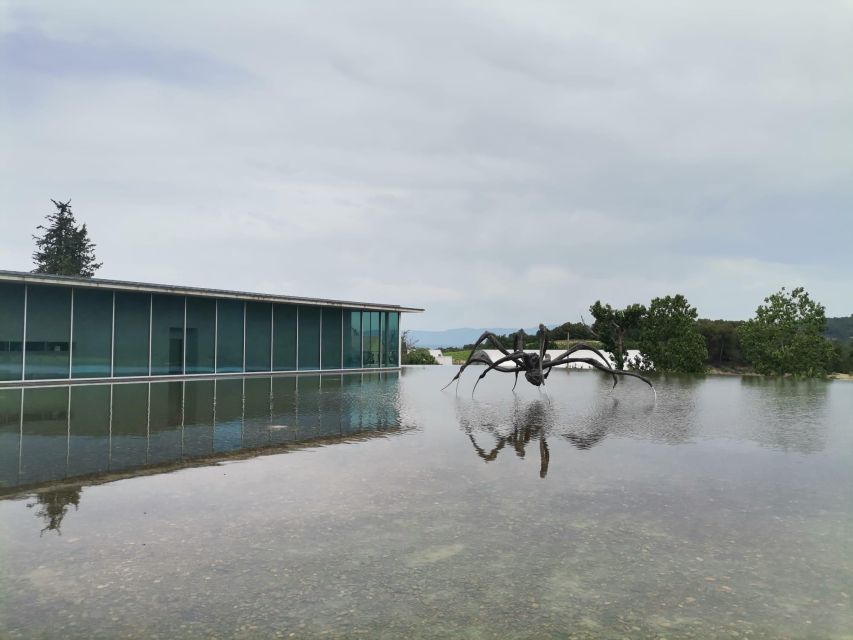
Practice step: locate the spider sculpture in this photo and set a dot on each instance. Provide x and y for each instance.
(536, 366)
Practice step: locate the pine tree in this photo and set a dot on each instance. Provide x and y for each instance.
(65, 248)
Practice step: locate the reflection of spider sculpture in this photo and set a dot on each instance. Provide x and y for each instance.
(535, 423)
(519, 439)
(531, 423)
(536, 366)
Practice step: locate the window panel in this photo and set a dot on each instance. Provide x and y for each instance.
(331, 338)
(91, 348)
(309, 337)
(200, 335)
(284, 337)
(370, 324)
(132, 321)
(383, 326)
(11, 330)
(48, 332)
(167, 335)
(352, 339)
(258, 321)
(392, 339)
(229, 347)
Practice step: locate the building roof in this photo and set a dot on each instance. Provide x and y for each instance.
(145, 287)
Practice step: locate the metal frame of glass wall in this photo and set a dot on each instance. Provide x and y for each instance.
(67, 332)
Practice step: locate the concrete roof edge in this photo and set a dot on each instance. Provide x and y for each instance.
(146, 287)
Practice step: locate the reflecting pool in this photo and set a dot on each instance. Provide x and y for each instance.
(378, 506)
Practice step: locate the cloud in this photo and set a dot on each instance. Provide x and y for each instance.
(498, 165)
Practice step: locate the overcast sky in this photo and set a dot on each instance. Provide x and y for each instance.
(499, 164)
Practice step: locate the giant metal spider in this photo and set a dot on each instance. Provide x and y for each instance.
(536, 366)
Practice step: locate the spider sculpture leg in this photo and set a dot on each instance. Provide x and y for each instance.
(583, 346)
(491, 337)
(598, 365)
(496, 365)
(543, 347)
(483, 358)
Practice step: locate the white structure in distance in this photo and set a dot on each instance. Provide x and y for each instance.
(440, 358)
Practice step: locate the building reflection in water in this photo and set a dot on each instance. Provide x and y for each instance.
(59, 433)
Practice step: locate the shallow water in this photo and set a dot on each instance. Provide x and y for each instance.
(384, 507)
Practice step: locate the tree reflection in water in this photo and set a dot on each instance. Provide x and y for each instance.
(53, 505)
(536, 423)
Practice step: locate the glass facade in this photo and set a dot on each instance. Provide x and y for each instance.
(284, 337)
(48, 343)
(352, 340)
(371, 339)
(331, 343)
(308, 339)
(55, 332)
(131, 329)
(200, 338)
(230, 315)
(167, 335)
(391, 340)
(92, 347)
(258, 336)
(11, 330)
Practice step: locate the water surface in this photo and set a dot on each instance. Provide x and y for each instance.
(383, 507)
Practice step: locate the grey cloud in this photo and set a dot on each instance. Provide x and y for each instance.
(30, 51)
(497, 163)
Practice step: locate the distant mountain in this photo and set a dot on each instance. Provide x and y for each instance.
(457, 337)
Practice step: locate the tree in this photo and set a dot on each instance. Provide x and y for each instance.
(406, 344)
(616, 327)
(419, 356)
(721, 339)
(573, 331)
(669, 337)
(65, 248)
(785, 336)
(412, 354)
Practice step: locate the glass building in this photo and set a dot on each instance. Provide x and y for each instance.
(64, 328)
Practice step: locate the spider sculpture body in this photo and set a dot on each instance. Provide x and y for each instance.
(535, 366)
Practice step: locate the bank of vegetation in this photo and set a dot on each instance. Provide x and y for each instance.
(788, 335)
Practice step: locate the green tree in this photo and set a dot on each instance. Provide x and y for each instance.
(419, 356)
(842, 358)
(617, 328)
(65, 248)
(785, 336)
(721, 340)
(406, 344)
(669, 336)
(573, 331)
